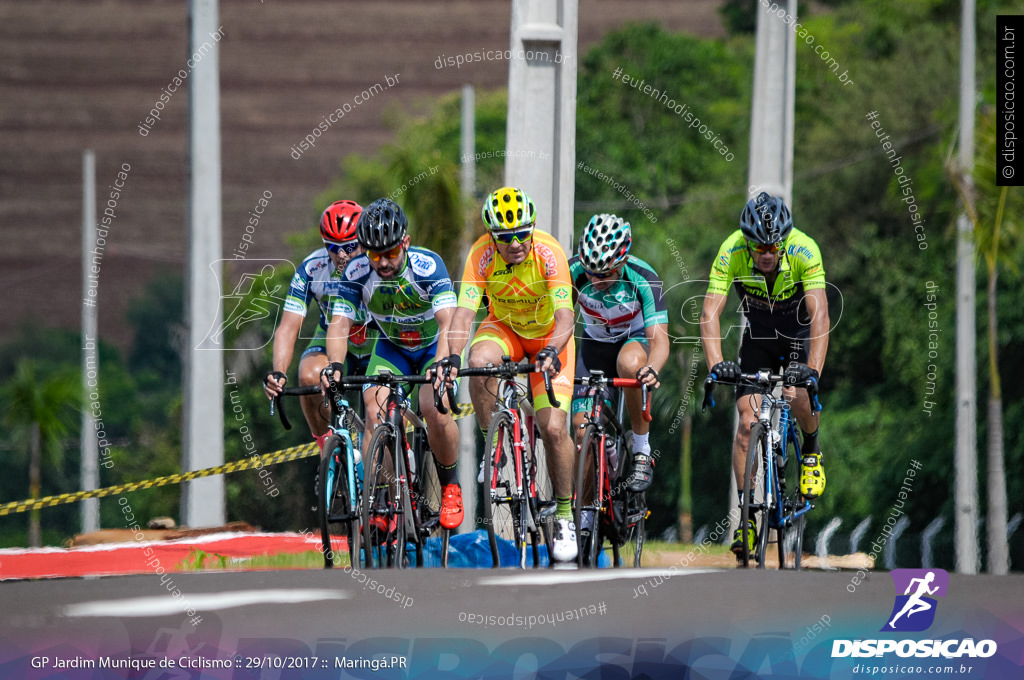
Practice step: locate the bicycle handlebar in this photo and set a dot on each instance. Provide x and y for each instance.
(508, 370)
(765, 381)
(276, 404)
(598, 380)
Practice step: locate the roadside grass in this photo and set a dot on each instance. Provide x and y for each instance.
(199, 560)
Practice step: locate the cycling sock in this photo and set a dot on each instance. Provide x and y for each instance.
(446, 474)
(563, 508)
(640, 442)
(810, 443)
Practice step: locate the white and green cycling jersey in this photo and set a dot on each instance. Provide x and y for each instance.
(402, 308)
(633, 303)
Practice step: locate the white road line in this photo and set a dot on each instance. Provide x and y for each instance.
(585, 575)
(164, 605)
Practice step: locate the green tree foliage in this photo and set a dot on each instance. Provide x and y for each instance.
(887, 392)
(420, 173)
(38, 410)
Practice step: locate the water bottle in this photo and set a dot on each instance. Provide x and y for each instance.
(611, 452)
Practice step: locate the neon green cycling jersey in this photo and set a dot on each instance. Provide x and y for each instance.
(779, 312)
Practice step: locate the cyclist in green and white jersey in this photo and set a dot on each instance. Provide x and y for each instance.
(410, 299)
(625, 330)
(778, 273)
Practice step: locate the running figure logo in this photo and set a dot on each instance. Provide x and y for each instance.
(914, 610)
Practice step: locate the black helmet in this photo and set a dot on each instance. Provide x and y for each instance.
(382, 225)
(766, 220)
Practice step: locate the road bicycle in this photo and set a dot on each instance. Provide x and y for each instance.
(771, 483)
(339, 482)
(604, 466)
(515, 506)
(401, 494)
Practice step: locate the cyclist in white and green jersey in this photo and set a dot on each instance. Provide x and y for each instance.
(410, 299)
(625, 326)
(778, 273)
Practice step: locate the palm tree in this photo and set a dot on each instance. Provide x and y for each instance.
(995, 213)
(40, 406)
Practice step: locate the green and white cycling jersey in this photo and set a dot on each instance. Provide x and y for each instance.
(634, 302)
(401, 308)
(780, 312)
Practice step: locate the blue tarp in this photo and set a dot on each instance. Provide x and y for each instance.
(472, 551)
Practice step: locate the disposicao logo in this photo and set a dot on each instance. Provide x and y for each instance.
(913, 611)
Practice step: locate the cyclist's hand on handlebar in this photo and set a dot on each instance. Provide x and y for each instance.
(648, 376)
(727, 371)
(332, 372)
(446, 370)
(273, 383)
(798, 374)
(547, 360)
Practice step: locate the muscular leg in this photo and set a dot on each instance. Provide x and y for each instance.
(481, 390)
(633, 357)
(442, 430)
(559, 449)
(312, 404)
(372, 398)
(800, 404)
(747, 405)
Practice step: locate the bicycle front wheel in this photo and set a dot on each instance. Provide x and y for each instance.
(588, 486)
(337, 506)
(499, 485)
(636, 509)
(791, 545)
(755, 500)
(380, 512)
(424, 494)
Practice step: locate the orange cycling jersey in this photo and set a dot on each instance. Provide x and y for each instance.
(523, 296)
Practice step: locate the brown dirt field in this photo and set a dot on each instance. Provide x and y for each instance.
(694, 559)
(77, 74)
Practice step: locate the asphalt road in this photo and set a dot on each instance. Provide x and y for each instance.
(485, 623)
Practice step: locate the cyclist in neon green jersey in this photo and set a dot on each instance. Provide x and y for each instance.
(778, 273)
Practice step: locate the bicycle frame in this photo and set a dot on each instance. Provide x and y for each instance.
(514, 414)
(775, 415)
(342, 418)
(599, 423)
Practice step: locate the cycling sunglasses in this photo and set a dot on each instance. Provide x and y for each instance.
(517, 236)
(764, 247)
(348, 247)
(602, 275)
(389, 254)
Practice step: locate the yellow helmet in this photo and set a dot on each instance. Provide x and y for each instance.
(508, 208)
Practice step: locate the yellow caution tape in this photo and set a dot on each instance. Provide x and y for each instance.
(293, 453)
(283, 456)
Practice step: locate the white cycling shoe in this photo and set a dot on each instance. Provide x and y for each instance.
(563, 545)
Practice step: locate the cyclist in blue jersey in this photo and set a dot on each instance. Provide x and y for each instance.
(778, 273)
(625, 328)
(317, 280)
(410, 299)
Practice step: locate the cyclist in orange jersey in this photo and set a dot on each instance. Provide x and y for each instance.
(524, 275)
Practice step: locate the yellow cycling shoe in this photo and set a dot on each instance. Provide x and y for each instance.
(812, 475)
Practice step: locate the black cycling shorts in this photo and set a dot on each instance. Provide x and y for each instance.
(774, 355)
(599, 356)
